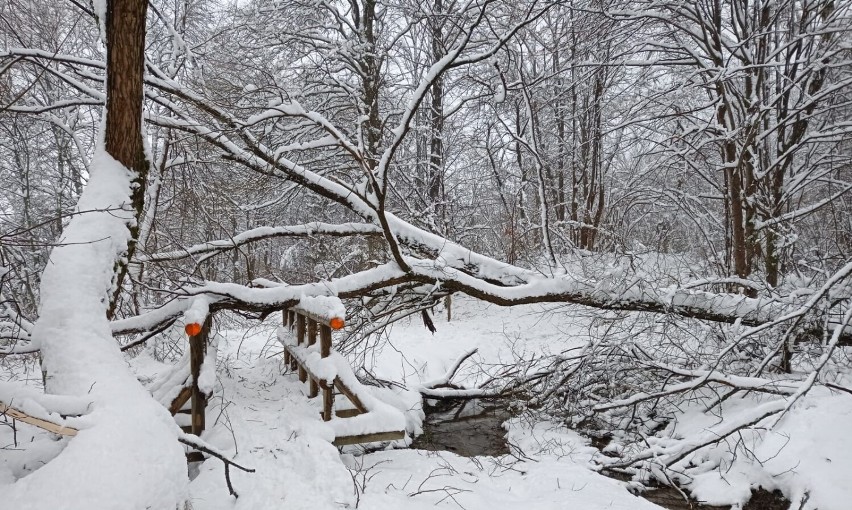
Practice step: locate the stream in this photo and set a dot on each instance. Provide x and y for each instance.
(474, 428)
(469, 430)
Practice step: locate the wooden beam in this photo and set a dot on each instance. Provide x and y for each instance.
(349, 394)
(325, 351)
(312, 339)
(197, 353)
(312, 331)
(347, 413)
(327, 403)
(325, 341)
(56, 428)
(369, 438)
(291, 321)
(285, 316)
(322, 383)
(300, 339)
(181, 398)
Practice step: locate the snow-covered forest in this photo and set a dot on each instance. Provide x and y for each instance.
(620, 230)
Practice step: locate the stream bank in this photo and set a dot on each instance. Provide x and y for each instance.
(473, 428)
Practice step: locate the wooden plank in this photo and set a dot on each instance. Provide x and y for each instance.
(325, 351)
(347, 413)
(291, 318)
(325, 341)
(321, 382)
(181, 398)
(197, 352)
(300, 339)
(327, 403)
(369, 438)
(321, 319)
(313, 390)
(347, 391)
(285, 315)
(301, 322)
(312, 331)
(19, 415)
(195, 457)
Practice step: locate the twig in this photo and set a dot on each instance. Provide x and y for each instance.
(196, 443)
(838, 387)
(147, 336)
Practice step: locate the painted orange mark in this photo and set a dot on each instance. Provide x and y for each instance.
(336, 323)
(192, 329)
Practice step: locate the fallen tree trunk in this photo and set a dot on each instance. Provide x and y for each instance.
(757, 313)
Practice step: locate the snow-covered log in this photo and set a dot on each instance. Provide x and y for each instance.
(82, 360)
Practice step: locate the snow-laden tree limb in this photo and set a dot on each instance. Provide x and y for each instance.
(456, 267)
(261, 233)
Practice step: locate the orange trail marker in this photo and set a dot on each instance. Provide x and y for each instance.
(336, 323)
(192, 329)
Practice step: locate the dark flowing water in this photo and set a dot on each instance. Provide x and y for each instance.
(470, 430)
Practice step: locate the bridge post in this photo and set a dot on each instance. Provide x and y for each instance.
(197, 353)
(300, 339)
(312, 339)
(291, 321)
(285, 317)
(328, 388)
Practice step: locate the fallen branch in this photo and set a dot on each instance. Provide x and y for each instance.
(461, 393)
(669, 455)
(443, 388)
(196, 443)
(444, 381)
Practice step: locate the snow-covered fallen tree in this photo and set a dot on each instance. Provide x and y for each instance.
(81, 359)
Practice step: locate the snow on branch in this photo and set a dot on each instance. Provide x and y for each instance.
(668, 453)
(701, 305)
(261, 233)
(444, 381)
(19, 349)
(443, 388)
(44, 406)
(603, 294)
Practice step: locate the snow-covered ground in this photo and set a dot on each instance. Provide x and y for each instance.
(263, 418)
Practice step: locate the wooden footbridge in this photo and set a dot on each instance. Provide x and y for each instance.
(350, 409)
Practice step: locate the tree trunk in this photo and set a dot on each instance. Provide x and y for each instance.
(436, 113)
(125, 37)
(128, 456)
